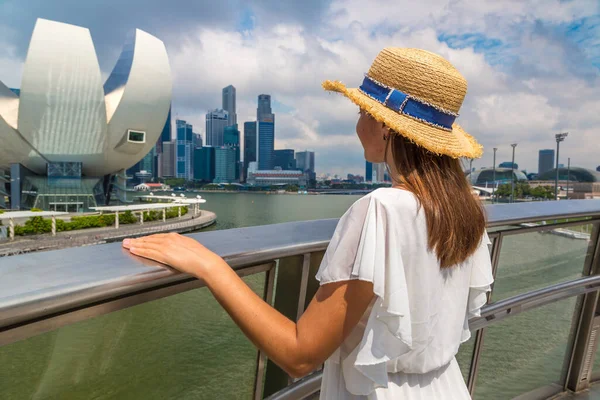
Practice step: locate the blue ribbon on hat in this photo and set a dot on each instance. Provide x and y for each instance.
(405, 104)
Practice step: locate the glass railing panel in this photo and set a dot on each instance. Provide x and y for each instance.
(535, 260)
(465, 356)
(180, 347)
(526, 352)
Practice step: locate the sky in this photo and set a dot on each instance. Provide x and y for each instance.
(533, 67)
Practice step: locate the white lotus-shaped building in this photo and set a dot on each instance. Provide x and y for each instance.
(64, 118)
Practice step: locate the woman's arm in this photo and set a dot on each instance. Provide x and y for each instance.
(298, 348)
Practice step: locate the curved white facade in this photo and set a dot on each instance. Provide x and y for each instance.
(64, 113)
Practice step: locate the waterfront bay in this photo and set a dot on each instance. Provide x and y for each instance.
(186, 347)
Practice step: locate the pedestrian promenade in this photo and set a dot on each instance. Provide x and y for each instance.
(86, 237)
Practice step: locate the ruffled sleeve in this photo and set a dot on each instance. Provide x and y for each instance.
(362, 248)
(481, 283)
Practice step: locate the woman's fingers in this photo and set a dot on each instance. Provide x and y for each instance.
(148, 252)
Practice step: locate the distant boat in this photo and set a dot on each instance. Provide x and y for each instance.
(179, 189)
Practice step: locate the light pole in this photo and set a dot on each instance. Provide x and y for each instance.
(512, 175)
(559, 138)
(568, 175)
(471, 171)
(494, 185)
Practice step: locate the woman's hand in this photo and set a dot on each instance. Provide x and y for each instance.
(180, 252)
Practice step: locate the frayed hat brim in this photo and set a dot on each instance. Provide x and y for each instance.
(456, 143)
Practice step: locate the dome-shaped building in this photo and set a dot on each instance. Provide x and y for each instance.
(573, 174)
(64, 134)
(485, 176)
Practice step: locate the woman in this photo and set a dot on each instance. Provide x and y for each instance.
(407, 265)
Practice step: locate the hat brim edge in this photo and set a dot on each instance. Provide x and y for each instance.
(368, 104)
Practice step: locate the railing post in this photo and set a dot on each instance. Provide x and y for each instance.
(480, 334)
(261, 363)
(294, 274)
(588, 328)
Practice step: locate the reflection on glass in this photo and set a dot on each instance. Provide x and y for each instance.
(525, 352)
(183, 346)
(534, 260)
(465, 355)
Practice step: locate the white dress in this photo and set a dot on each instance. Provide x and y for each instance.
(404, 346)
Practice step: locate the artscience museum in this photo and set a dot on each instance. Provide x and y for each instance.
(65, 136)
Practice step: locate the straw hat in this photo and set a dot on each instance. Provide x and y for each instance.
(417, 94)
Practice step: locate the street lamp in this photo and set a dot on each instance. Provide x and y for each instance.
(559, 138)
(494, 185)
(471, 171)
(512, 175)
(568, 175)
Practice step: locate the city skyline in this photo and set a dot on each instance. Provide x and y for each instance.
(515, 65)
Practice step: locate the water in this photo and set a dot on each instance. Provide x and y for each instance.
(186, 347)
(237, 210)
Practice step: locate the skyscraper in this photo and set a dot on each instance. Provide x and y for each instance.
(165, 136)
(249, 145)
(229, 104)
(379, 172)
(225, 165)
(264, 106)
(168, 159)
(144, 169)
(266, 133)
(184, 150)
(285, 159)
(545, 161)
(305, 161)
(368, 171)
(231, 139)
(266, 144)
(216, 121)
(204, 164)
(197, 140)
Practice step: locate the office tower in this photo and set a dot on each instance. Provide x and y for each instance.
(225, 165)
(545, 161)
(249, 145)
(197, 140)
(368, 171)
(231, 139)
(204, 164)
(305, 161)
(285, 159)
(229, 104)
(144, 170)
(168, 159)
(266, 133)
(266, 144)
(379, 172)
(165, 135)
(264, 107)
(184, 150)
(216, 121)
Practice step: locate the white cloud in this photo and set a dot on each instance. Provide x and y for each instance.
(529, 83)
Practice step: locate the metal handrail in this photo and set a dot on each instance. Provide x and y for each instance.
(44, 291)
(490, 314)
(38, 284)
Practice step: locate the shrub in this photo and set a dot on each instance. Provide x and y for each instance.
(36, 209)
(37, 225)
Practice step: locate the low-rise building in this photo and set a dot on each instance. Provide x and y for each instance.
(145, 187)
(585, 190)
(276, 177)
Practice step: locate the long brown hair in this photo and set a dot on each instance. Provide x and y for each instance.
(455, 218)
